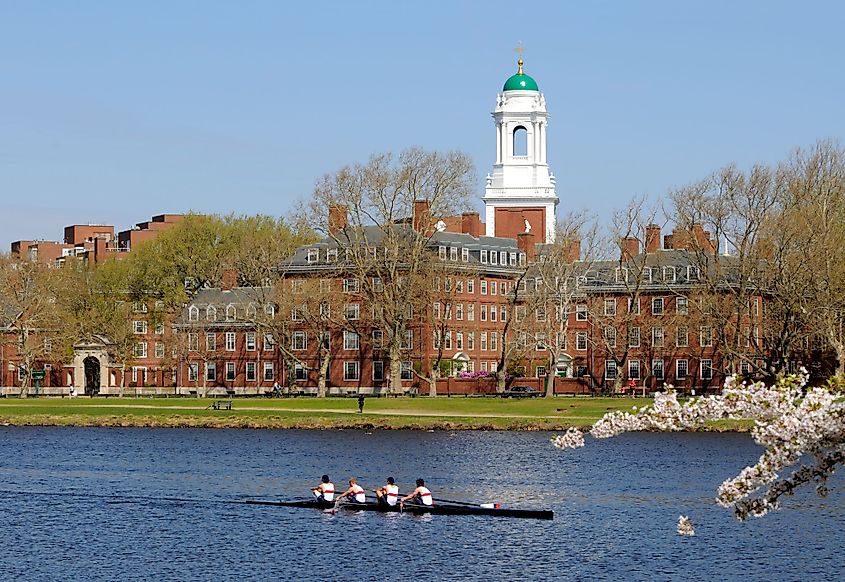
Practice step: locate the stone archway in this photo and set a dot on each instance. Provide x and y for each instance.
(92, 366)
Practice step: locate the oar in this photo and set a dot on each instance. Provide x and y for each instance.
(463, 502)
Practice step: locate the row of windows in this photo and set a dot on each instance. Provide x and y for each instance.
(460, 340)
(230, 339)
(635, 370)
(139, 327)
(658, 337)
(250, 371)
(485, 286)
(485, 256)
(352, 371)
(231, 312)
(351, 340)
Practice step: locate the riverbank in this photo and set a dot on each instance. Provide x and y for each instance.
(325, 413)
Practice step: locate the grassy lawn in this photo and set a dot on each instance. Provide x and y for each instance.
(418, 413)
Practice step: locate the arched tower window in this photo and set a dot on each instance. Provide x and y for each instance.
(520, 142)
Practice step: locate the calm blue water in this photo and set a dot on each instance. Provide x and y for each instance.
(86, 504)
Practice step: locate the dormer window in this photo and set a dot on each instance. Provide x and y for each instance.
(331, 255)
(453, 254)
(211, 313)
(503, 258)
(193, 313)
(484, 256)
(250, 311)
(647, 274)
(693, 273)
(313, 255)
(513, 259)
(441, 251)
(521, 259)
(494, 257)
(230, 313)
(464, 255)
(668, 274)
(270, 310)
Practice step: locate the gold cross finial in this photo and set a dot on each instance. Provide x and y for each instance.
(519, 49)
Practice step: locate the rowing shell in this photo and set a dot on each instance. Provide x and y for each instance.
(416, 509)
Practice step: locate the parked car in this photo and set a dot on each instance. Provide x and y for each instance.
(521, 392)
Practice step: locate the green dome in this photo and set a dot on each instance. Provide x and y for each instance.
(520, 81)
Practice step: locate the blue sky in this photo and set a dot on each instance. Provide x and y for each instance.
(115, 111)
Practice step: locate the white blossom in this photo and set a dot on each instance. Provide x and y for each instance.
(685, 526)
(789, 421)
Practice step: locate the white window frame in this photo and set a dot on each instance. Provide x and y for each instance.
(351, 370)
(231, 341)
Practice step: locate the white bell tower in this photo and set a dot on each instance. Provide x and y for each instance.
(520, 192)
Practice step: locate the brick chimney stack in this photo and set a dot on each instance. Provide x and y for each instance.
(526, 244)
(338, 218)
(422, 216)
(572, 250)
(652, 238)
(630, 246)
(471, 224)
(229, 280)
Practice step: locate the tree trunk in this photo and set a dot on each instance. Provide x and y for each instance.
(501, 380)
(840, 359)
(321, 381)
(551, 373)
(395, 385)
(432, 381)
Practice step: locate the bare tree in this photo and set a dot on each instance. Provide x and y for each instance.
(392, 206)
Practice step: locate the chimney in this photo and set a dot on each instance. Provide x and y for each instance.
(229, 280)
(422, 216)
(702, 239)
(572, 250)
(652, 238)
(630, 246)
(525, 242)
(338, 218)
(471, 224)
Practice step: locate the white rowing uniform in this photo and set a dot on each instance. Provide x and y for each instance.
(425, 496)
(358, 495)
(326, 492)
(391, 494)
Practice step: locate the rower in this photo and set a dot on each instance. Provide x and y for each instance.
(325, 490)
(388, 494)
(419, 496)
(355, 492)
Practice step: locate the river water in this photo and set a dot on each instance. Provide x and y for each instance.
(88, 504)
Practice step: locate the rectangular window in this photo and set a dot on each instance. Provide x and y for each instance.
(350, 285)
(540, 338)
(297, 313)
(634, 305)
(470, 286)
(484, 341)
(453, 253)
(406, 371)
(378, 371)
(634, 337)
(299, 341)
(682, 305)
(140, 326)
(668, 274)
(560, 338)
(378, 285)
(520, 312)
(250, 371)
(351, 340)
(484, 257)
(441, 251)
(459, 286)
(299, 372)
(706, 336)
(351, 371)
(230, 371)
(435, 310)
(610, 307)
(681, 369)
(464, 255)
(503, 288)
(407, 340)
(483, 313)
(141, 350)
(250, 341)
(471, 340)
(541, 371)
(352, 311)
(492, 313)
(706, 369)
(159, 349)
(657, 305)
(268, 342)
(657, 369)
(610, 369)
(193, 372)
(494, 257)
(657, 336)
(494, 341)
(540, 313)
(513, 259)
(492, 287)
(459, 340)
(682, 336)
(745, 368)
(483, 366)
(471, 312)
(230, 341)
(610, 336)
(447, 344)
(503, 313)
(210, 341)
(269, 372)
(581, 341)
(378, 339)
(331, 255)
(210, 371)
(459, 311)
(633, 369)
(193, 342)
(483, 287)
(581, 312)
(313, 255)
(139, 307)
(159, 329)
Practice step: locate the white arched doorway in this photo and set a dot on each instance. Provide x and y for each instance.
(91, 366)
